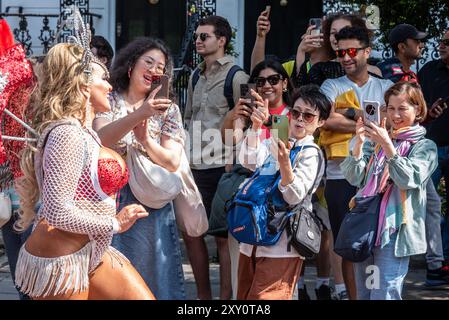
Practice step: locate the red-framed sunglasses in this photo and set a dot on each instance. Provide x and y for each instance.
(352, 52)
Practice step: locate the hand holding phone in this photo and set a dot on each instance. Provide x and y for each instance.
(245, 93)
(316, 31)
(160, 80)
(279, 128)
(438, 107)
(371, 111)
(316, 22)
(267, 11)
(263, 22)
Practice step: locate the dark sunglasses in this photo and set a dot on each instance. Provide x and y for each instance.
(306, 116)
(352, 52)
(272, 80)
(445, 42)
(203, 36)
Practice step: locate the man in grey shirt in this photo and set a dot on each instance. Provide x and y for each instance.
(206, 109)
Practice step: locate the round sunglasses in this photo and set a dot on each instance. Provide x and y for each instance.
(272, 80)
(306, 116)
(203, 36)
(352, 52)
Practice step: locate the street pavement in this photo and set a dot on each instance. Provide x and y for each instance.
(414, 288)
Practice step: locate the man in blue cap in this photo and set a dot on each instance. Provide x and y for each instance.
(407, 45)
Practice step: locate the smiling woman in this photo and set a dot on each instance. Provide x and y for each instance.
(151, 126)
(272, 83)
(397, 168)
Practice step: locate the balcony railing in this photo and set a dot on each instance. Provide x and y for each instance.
(46, 33)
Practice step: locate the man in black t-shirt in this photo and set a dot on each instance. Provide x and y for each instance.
(434, 80)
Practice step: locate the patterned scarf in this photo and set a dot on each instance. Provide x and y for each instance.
(392, 208)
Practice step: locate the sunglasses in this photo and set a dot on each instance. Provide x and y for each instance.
(352, 52)
(445, 42)
(203, 36)
(272, 80)
(306, 116)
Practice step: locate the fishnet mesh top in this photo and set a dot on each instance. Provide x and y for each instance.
(71, 197)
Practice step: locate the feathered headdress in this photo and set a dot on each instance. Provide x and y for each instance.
(6, 37)
(81, 36)
(16, 85)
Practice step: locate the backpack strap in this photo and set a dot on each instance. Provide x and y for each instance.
(320, 164)
(228, 91)
(228, 88)
(195, 78)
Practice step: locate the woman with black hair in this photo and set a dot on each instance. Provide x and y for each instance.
(154, 127)
(270, 272)
(272, 84)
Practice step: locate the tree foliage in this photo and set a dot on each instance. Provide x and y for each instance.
(427, 15)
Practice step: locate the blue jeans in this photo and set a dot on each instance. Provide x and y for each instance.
(443, 172)
(152, 245)
(14, 240)
(384, 282)
(434, 254)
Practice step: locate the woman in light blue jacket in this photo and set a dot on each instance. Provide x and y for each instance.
(400, 163)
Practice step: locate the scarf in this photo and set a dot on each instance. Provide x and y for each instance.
(392, 212)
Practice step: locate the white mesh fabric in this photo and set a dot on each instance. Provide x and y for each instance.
(69, 199)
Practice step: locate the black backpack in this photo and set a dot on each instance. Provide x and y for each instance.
(228, 90)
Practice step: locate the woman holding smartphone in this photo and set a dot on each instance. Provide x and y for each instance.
(273, 84)
(153, 126)
(399, 166)
(270, 272)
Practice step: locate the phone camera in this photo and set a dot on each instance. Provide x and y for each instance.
(370, 109)
(156, 79)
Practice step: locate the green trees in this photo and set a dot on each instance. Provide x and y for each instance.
(426, 15)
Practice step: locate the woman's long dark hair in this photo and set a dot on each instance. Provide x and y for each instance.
(128, 56)
(277, 67)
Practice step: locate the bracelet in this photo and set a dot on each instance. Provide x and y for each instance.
(393, 158)
(115, 226)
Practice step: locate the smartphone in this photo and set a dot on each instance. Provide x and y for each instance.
(245, 93)
(279, 128)
(317, 23)
(158, 80)
(267, 11)
(445, 103)
(371, 111)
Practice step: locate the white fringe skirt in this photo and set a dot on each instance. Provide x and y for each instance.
(41, 277)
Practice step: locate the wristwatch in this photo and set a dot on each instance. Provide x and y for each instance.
(350, 113)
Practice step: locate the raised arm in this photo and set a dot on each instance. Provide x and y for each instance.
(110, 132)
(263, 27)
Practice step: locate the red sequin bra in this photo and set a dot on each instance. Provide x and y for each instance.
(111, 176)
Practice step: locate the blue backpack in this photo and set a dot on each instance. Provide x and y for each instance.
(258, 213)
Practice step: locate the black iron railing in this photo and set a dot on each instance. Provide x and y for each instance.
(46, 34)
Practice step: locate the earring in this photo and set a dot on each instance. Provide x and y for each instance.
(284, 90)
(88, 120)
(129, 72)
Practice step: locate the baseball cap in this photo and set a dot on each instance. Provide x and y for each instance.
(404, 31)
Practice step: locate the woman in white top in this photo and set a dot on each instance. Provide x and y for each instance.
(271, 272)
